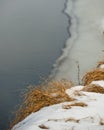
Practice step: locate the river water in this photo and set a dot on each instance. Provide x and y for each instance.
(32, 33)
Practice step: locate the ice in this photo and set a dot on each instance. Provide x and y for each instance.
(85, 47)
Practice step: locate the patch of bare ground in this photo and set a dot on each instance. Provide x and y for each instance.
(66, 120)
(101, 121)
(72, 120)
(42, 126)
(78, 104)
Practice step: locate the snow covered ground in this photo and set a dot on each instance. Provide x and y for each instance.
(85, 113)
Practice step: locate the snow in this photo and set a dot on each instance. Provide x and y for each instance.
(72, 91)
(101, 66)
(99, 82)
(57, 117)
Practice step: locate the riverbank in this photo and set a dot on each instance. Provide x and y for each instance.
(85, 101)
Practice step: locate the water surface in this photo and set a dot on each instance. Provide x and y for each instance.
(32, 33)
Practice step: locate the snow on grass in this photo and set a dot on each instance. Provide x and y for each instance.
(101, 66)
(99, 82)
(85, 113)
(74, 90)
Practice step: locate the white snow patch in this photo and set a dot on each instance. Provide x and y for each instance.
(99, 82)
(101, 66)
(72, 91)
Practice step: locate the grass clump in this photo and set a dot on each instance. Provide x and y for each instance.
(94, 75)
(94, 88)
(46, 94)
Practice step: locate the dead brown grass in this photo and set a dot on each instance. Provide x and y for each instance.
(94, 88)
(96, 74)
(72, 120)
(101, 121)
(43, 126)
(65, 119)
(79, 104)
(44, 95)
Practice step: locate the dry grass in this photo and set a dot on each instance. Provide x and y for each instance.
(101, 121)
(78, 104)
(96, 74)
(43, 127)
(65, 119)
(53, 86)
(44, 95)
(94, 88)
(72, 120)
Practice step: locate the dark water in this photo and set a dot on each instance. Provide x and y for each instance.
(32, 33)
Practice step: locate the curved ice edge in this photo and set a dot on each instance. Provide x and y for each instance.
(72, 30)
